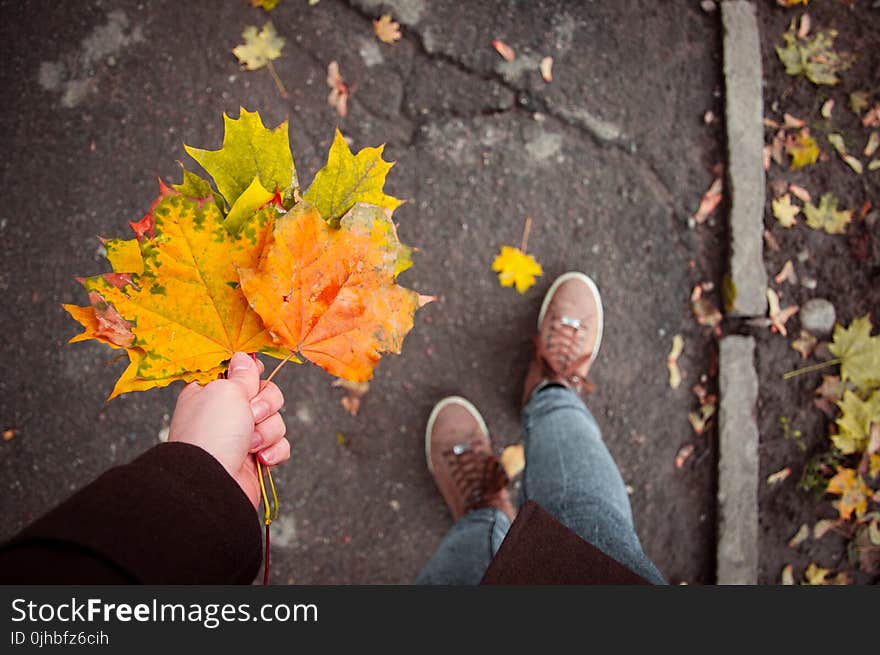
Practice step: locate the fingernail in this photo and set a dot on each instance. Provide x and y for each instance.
(240, 362)
(260, 409)
(267, 457)
(256, 441)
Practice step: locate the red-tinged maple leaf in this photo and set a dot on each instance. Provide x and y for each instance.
(145, 227)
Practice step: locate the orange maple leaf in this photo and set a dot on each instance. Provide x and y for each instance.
(331, 294)
(853, 492)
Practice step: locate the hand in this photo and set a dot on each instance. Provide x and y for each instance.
(233, 418)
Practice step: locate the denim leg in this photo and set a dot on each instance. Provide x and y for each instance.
(465, 552)
(571, 474)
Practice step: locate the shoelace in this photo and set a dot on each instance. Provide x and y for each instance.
(565, 339)
(477, 474)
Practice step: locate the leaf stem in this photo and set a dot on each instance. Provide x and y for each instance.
(810, 369)
(278, 368)
(525, 238)
(275, 506)
(277, 79)
(267, 515)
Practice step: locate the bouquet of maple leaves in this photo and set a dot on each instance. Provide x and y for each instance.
(253, 265)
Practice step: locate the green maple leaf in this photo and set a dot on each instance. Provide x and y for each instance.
(854, 424)
(250, 150)
(826, 216)
(813, 56)
(193, 186)
(347, 179)
(859, 353)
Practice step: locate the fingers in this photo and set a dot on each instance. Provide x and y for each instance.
(267, 402)
(245, 373)
(276, 454)
(269, 432)
(190, 389)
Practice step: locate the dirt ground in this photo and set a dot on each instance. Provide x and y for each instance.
(845, 269)
(610, 159)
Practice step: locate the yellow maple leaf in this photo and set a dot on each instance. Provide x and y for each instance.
(514, 267)
(853, 492)
(803, 149)
(347, 179)
(816, 575)
(785, 211)
(259, 47)
(331, 294)
(826, 216)
(874, 465)
(854, 424)
(387, 31)
(859, 353)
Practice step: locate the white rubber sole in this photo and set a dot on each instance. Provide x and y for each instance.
(574, 275)
(450, 400)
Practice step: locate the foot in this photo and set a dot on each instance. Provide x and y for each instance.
(569, 334)
(459, 454)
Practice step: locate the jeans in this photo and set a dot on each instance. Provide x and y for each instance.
(571, 474)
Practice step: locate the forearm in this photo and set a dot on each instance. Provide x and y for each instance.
(172, 516)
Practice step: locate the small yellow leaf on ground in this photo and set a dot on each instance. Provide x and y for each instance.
(853, 492)
(827, 107)
(513, 460)
(826, 216)
(259, 47)
(791, 3)
(514, 267)
(504, 50)
(872, 144)
(683, 454)
(803, 149)
(786, 274)
(387, 31)
(780, 476)
(672, 361)
(859, 352)
(854, 424)
(700, 420)
(853, 163)
(874, 465)
(787, 575)
(785, 211)
(823, 526)
(859, 101)
(800, 536)
(874, 164)
(815, 575)
(546, 67)
(836, 140)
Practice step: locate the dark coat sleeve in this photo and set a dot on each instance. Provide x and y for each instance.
(172, 516)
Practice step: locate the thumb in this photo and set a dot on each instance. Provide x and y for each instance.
(244, 372)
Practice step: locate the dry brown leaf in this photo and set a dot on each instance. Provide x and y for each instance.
(780, 476)
(513, 459)
(791, 122)
(786, 274)
(683, 454)
(827, 107)
(805, 344)
(804, 26)
(778, 315)
(338, 98)
(387, 31)
(504, 50)
(777, 148)
(9, 434)
(800, 536)
(672, 361)
(546, 68)
(766, 154)
(800, 193)
(872, 118)
(771, 241)
(787, 575)
(354, 391)
(709, 201)
(831, 388)
(704, 309)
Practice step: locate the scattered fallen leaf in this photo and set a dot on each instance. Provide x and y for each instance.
(791, 3)
(514, 267)
(709, 201)
(703, 394)
(874, 465)
(831, 388)
(805, 344)
(259, 47)
(823, 526)
(803, 149)
(804, 26)
(672, 361)
(874, 533)
(785, 211)
(859, 101)
(338, 97)
(709, 117)
(513, 459)
(874, 164)
(858, 351)
(787, 575)
(268, 5)
(704, 309)
(872, 144)
(853, 492)
(826, 216)
(771, 241)
(683, 454)
(9, 434)
(800, 193)
(872, 118)
(792, 122)
(815, 575)
(827, 108)
(836, 140)
(812, 57)
(387, 31)
(854, 163)
(546, 68)
(800, 536)
(778, 315)
(856, 419)
(777, 147)
(354, 391)
(786, 274)
(700, 420)
(780, 476)
(504, 50)
(341, 439)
